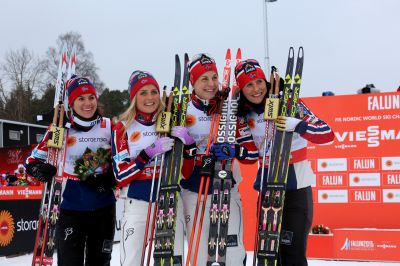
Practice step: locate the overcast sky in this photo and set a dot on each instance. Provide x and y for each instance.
(347, 43)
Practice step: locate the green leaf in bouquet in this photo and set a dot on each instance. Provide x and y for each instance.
(90, 161)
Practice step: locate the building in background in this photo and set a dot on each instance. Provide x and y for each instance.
(18, 134)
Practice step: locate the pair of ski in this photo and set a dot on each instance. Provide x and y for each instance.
(271, 197)
(223, 130)
(51, 195)
(163, 222)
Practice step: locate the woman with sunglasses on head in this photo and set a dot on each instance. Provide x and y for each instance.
(298, 204)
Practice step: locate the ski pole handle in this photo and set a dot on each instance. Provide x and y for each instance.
(164, 118)
(272, 102)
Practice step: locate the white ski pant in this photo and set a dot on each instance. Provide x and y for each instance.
(236, 254)
(134, 226)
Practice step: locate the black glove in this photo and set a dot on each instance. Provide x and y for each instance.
(12, 178)
(43, 172)
(101, 182)
(227, 151)
(241, 152)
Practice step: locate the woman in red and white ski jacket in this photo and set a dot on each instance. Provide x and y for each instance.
(86, 223)
(297, 213)
(134, 146)
(204, 79)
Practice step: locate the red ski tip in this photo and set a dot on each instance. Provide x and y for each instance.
(239, 54)
(228, 54)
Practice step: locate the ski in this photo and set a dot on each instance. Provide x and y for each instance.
(51, 196)
(270, 114)
(70, 70)
(71, 65)
(222, 183)
(158, 214)
(273, 198)
(238, 59)
(162, 128)
(169, 189)
(215, 208)
(206, 173)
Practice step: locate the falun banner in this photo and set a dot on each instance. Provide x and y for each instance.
(358, 176)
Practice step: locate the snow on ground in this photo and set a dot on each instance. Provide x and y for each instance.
(25, 260)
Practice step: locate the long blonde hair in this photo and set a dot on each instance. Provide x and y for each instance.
(128, 117)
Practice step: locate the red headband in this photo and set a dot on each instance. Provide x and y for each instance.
(199, 65)
(247, 71)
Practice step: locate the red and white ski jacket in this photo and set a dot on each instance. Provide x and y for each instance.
(132, 167)
(199, 125)
(310, 129)
(77, 195)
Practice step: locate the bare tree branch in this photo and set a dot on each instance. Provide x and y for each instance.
(85, 65)
(23, 69)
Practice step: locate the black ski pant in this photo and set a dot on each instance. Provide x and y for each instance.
(296, 224)
(85, 236)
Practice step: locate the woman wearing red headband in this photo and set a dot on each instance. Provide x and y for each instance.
(134, 146)
(85, 230)
(204, 79)
(297, 213)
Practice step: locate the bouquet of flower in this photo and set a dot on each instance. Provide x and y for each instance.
(90, 161)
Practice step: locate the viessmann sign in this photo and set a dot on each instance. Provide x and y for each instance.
(20, 193)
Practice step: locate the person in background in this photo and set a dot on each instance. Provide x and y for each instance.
(21, 175)
(10, 180)
(86, 226)
(298, 204)
(369, 88)
(5, 181)
(328, 93)
(23, 178)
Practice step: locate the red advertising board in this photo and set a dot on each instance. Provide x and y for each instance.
(12, 156)
(357, 177)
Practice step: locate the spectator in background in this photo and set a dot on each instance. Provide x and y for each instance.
(8, 180)
(4, 180)
(23, 178)
(21, 174)
(328, 93)
(398, 89)
(369, 88)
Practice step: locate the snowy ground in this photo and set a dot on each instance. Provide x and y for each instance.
(27, 260)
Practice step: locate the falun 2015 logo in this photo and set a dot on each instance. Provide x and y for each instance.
(7, 228)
